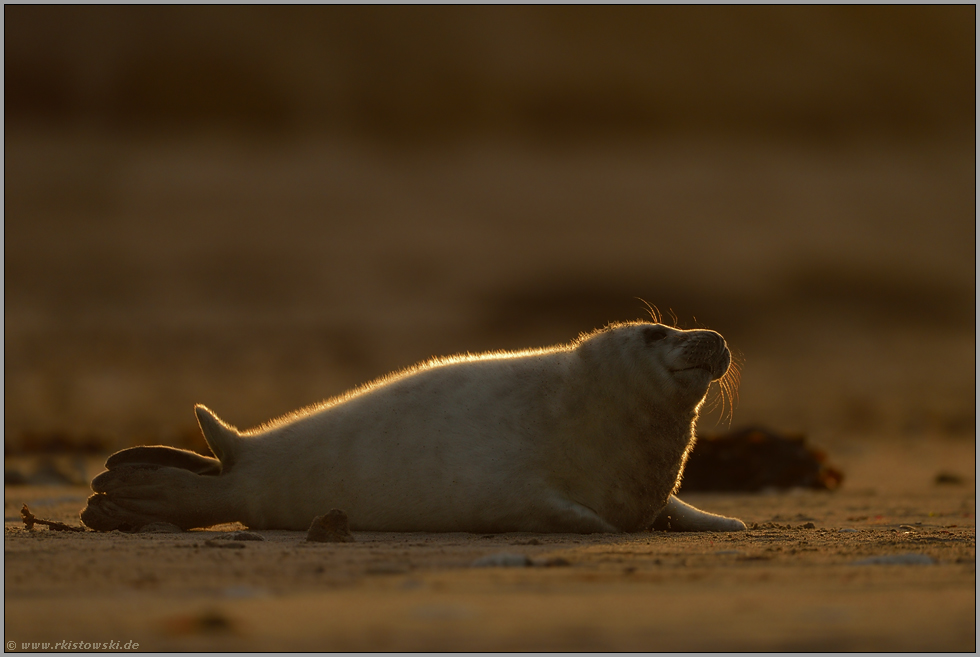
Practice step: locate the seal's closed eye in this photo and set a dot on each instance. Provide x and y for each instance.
(653, 334)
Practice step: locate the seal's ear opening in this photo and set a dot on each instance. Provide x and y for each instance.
(223, 439)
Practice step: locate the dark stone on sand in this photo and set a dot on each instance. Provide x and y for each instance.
(218, 543)
(160, 528)
(330, 528)
(502, 560)
(554, 562)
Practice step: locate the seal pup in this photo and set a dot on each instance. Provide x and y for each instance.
(590, 436)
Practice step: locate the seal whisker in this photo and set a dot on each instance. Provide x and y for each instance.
(714, 398)
(729, 384)
(653, 310)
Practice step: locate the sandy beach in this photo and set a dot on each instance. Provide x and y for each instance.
(886, 563)
(259, 208)
(878, 378)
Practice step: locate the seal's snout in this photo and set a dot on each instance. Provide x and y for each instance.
(707, 350)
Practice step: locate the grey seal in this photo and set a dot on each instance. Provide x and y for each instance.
(588, 436)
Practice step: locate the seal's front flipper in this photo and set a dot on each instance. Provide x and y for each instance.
(680, 517)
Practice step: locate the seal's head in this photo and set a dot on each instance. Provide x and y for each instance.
(674, 364)
(631, 406)
(688, 361)
(693, 358)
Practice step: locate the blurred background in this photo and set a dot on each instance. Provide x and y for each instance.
(257, 208)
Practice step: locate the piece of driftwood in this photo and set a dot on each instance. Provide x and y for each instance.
(30, 520)
(754, 459)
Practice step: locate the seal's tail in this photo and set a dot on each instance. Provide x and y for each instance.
(223, 439)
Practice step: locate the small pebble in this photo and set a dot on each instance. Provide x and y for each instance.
(552, 562)
(847, 530)
(502, 560)
(330, 528)
(217, 543)
(160, 528)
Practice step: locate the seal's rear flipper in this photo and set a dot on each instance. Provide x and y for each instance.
(224, 440)
(165, 456)
(221, 438)
(132, 495)
(680, 517)
(151, 484)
